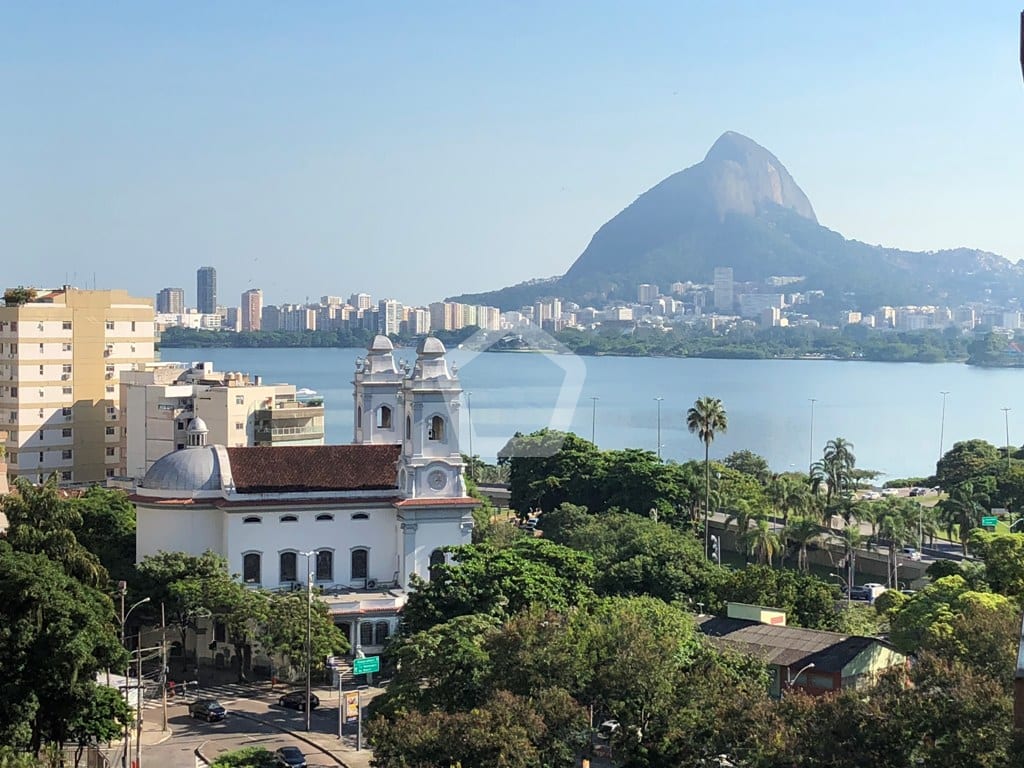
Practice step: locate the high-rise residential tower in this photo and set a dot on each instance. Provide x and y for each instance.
(170, 301)
(61, 353)
(206, 290)
(723, 289)
(252, 309)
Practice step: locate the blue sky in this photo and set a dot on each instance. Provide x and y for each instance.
(417, 150)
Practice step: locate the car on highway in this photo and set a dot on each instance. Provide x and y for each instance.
(291, 757)
(206, 709)
(911, 553)
(297, 700)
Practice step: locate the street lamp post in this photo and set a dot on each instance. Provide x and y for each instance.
(658, 401)
(791, 679)
(469, 408)
(1006, 417)
(122, 588)
(593, 418)
(942, 423)
(309, 632)
(849, 589)
(810, 453)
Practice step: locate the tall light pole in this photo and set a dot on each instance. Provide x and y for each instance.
(593, 418)
(122, 588)
(309, 632)
(658, 400)
(942, 424)
(791, 680)
(1006, 417)
(810, 452)
(469, 408)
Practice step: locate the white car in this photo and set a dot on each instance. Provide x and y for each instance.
(911, 553)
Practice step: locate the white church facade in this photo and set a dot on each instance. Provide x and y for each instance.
(357, 520)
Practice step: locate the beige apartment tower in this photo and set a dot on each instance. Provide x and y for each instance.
(61, 353)
(252, 309)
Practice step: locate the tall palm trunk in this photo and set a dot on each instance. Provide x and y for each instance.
(707, 495)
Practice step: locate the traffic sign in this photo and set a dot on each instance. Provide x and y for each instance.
(989, 522)
(364, 666)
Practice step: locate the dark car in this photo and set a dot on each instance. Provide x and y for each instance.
(206, 709)
(297, 700)
(291, 757)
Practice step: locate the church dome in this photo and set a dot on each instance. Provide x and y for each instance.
(197, 425)
(430, 346)
(188, 470)
(381, 343)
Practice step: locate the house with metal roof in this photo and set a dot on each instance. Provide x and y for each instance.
(813, 660)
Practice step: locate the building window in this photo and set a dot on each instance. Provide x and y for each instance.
(14, 391)
(133, 326)
(12, 459)
(239, 425)
(366, 633)
(66, 432)
(324, 518)
(325, 565)
(251, 519)
(110, 325)
(65, 390)
(436, 431)
(182, 446)
(66, 453)
(41, 434)
(408, 427)
(220, 632)
(40, 458)
(41, 349)
(111, 431)
(381, 631)
(65, 347)
(66, 325)
(384, 417)
(251, 568)
(110, 450)
(437, 559)
(288, 567)
(66, 475)
(289, 519)
(110, 472)
(110, 389)
(239, 399)
(181, 426)
(360, 516)
(42, 371)
(66, 368)
(65, 411)
(360, 563)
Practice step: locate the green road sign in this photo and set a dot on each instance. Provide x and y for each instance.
(363, 666)
(989, 522)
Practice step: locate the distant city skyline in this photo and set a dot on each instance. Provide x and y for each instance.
(420, 153)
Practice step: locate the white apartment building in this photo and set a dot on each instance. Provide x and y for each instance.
(61, 355)
(237, 410)
(723, 289)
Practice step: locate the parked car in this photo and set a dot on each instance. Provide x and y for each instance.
(918, 491)
(206, 709)
(911, 553)
(291, 757)
(860, 593)
(607, 729)
(297, 700)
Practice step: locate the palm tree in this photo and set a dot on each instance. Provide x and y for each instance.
(743, 513)
(834, 469)
(964, 507)
(801, 531)
(789, 494)
(762, 541)
(705, 418)
(898, 517)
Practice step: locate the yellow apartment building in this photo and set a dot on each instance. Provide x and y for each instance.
(61, 353)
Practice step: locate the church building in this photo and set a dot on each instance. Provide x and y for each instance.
(357, 520)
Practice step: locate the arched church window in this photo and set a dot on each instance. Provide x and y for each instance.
(436, 559)
(360, 563)
(324, 565)
(251, 568)
(384, 417)
(359, 416)
(408, 427)
(436, 431)
(381, 630)
(288, 567)
(366, 633)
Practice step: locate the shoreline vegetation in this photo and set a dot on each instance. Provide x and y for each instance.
(854, 343)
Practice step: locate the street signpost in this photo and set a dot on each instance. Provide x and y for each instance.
(366, 666)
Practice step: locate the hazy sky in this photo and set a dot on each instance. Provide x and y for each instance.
(417, 150)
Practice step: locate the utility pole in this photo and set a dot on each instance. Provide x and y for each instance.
(593, 418)
(658, 399)
(163, 664)
(122, 588)
(469, 407)
(810, 453)
(942, 424)
(138, 709)
(1006, 417)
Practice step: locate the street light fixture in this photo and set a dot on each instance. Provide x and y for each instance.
(309, 632)
(810, 453)
(792, 679)
(942, 423)
(593, 418)
(849, 591)
(658, 400)
(1006, 417)
(122, 588)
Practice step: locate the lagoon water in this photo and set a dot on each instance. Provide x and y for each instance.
(891, 412)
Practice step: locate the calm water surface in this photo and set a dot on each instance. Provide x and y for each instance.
(891, 412)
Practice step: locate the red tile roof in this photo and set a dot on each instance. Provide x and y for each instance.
(292, 469)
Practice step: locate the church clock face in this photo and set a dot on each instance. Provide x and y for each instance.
(437, 479)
